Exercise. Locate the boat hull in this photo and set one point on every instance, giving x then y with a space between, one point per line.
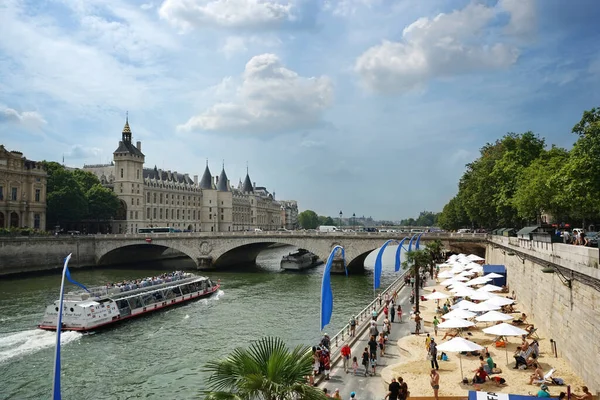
138 312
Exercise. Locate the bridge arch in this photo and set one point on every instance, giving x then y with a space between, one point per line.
139 250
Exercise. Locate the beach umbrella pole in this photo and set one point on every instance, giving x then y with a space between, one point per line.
461 370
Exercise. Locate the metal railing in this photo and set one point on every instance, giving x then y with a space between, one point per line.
364 315
291 234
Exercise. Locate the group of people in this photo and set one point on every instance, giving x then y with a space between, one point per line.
124 286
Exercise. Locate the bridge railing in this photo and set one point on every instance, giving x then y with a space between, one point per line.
291 234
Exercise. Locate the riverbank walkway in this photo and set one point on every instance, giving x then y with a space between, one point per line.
372 387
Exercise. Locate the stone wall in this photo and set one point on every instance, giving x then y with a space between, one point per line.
571 317
28 254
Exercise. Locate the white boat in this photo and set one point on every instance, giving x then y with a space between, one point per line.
299 260
106 305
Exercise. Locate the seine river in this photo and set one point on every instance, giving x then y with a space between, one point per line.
160 356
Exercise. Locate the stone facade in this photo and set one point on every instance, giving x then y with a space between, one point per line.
289 215
569 316
22 191
152 197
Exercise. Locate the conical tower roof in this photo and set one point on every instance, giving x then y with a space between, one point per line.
247 185
222 184
206 181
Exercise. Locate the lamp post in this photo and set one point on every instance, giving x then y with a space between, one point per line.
341 220
353 221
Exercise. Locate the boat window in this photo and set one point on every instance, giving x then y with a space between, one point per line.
185 289
122 304
168 294
135 302
204 285
148 299
176 291
195 286
158 296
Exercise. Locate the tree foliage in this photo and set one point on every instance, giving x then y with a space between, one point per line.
73 196
425 218
516 179
308 219
417 261
266 370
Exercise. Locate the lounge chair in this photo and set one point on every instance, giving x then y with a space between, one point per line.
533 334
546 379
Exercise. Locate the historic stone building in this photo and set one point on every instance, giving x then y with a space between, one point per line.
22 191
151 197
289 214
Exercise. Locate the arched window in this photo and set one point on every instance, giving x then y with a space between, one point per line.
121 172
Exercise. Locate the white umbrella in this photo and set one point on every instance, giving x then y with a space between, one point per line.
458 344
477 295
459 313
474 257
463 305
460 278
500 301
505 329
436 296
463 292
477 281
485 306
491 288
466 273
453 323
493 275
448 282
493 316
445 274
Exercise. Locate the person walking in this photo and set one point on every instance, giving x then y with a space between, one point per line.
404 393
399 311
392 312
436 322
433 354
353 326
417 324
434 379
393 390
365 360
346 353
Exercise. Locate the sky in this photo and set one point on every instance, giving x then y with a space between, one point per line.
371 107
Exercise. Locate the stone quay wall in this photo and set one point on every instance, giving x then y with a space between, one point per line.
569 316
29 254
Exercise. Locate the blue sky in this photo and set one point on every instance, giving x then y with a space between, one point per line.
371 107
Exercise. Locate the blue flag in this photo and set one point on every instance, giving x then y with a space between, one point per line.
398 254
73 281
56 383
411 242
418 241
326 292
378 266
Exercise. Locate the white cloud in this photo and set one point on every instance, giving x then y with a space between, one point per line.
28 119
522 16
270 99
242 14
345 8
79 152
447 45
239 44
147 6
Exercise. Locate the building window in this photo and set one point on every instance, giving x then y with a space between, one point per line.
209 209
1 193
138 201
154 198
136 215
132 203
177 214
221 217
37 194
13 194
147 213
209 216
138 174
36 221
148 197
194 213
154 213
161 198
172 213
130 214
121 172
161 213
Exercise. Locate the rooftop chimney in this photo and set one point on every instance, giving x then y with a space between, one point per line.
139 145
216 179
196 180
254 185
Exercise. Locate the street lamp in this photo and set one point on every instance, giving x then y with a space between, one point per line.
353 221
341 220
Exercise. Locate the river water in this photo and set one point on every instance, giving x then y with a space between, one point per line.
161 355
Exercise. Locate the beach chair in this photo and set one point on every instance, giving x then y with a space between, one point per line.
533 334
546 379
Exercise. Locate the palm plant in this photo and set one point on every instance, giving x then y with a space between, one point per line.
267 370
435 248
417 261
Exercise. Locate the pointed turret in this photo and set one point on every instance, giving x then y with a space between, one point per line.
222 184
206 181
126 134
126 147
247 185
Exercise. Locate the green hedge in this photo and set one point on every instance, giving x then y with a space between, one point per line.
22 232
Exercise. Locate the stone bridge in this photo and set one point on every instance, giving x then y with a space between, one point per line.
221 249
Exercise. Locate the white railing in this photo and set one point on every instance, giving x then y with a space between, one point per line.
291 234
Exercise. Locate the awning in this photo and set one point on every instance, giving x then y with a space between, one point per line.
527 230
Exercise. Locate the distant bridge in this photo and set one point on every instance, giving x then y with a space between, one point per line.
221 249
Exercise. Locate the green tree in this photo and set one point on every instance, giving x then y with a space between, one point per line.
417 261
454 216
67 201
103 203
85 179
323 220
308 219
539 186
267 370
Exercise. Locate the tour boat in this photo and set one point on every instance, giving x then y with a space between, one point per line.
299 260
106 305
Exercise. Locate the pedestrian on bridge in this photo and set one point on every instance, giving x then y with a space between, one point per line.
353 326
392 312
399 313
346 353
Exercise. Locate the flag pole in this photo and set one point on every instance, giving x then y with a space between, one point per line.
56 382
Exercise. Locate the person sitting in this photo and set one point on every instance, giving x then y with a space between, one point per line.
504 289
586 394
520 358
543 391
531 360
538 374
498 380
521 320
480 376
450 332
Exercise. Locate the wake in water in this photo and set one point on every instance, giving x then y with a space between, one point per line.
31 341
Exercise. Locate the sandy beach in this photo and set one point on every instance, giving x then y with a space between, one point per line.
414 367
